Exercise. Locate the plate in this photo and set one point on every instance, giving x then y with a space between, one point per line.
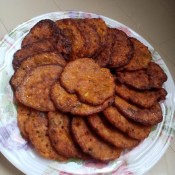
20 153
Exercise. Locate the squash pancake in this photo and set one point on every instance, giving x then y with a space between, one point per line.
60 136
23 113
37 129
122 50
92 84
35 61
91 144
149 116
101 28
43 29
144 99
104 56
70 29
140 58
133 129
34 91
102 128
152 77
31 50
67 102
91 38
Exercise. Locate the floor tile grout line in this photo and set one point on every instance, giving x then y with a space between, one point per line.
3 25
172 148
56 5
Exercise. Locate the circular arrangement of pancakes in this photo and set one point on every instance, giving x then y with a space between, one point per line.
85 90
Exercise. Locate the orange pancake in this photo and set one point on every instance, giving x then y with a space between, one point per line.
149 116
110 134
40 46
91 83
35 61
37 128
133 129
43 29
91 144
34 91
67 102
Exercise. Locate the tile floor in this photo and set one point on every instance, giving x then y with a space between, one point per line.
152 19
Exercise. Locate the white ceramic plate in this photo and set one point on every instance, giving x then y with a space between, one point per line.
20 153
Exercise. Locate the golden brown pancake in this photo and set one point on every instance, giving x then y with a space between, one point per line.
43 29
35 61
60 135
91 144
64 45
23 113
101 28
144 99
156 74
31 50
37 129
122 50
70 29
133 129
151 116
152 77
67 102
92 84
112 135
34 91
104 56
140 58
91 38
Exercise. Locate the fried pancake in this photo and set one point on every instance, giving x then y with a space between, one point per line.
34 91
43 29
144 99
104 56
133 129
71 30
60 136
92 84
156 74
101 28
23 113
122 50
67 102
103 129
91 144
136 79
149 116
91 38
31 50
35 61
37 128
84 109
64 45
152 77
140 58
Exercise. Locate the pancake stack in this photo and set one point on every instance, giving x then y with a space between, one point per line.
85 90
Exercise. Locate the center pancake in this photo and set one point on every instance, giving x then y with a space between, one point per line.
91 83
